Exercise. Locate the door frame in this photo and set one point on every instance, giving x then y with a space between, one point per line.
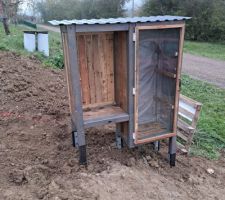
181 26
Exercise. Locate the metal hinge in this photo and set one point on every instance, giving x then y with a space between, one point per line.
134 37
134 91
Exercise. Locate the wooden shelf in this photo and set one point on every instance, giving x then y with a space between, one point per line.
166 73
104 115
149 130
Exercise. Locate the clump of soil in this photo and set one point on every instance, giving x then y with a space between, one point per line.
38 161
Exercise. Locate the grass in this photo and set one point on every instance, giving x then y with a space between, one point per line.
210 50
210 137
14 43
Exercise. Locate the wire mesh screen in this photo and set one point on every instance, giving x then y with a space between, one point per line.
158 59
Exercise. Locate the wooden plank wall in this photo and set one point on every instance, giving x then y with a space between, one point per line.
95 55
121 70
121 76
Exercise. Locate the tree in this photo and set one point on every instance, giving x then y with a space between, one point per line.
9 9
77 9
208 20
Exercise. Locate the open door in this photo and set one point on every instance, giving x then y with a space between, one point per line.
158 65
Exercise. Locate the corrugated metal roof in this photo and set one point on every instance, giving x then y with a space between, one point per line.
120 20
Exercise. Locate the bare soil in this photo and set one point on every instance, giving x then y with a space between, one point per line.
37 160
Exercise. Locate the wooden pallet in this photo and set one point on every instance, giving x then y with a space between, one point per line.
189 111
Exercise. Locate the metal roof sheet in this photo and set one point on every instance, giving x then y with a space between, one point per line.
120 20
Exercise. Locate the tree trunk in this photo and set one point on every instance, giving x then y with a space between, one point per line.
6 26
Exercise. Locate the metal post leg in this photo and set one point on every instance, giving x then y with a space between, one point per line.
82 147
118 136
172 151
83 155
156 145
74 135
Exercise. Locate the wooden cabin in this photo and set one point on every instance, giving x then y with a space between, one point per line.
124 71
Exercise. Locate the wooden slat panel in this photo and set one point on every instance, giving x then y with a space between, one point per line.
184 126
121 70
95 51
186 114
108 44
182 136
83 70
89 49
96 67
187 107
189 101
102 67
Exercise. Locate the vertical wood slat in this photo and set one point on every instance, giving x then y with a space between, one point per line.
96 67
83 69
102 68
110 63
121 69
89 49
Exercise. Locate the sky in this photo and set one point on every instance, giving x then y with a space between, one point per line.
137 3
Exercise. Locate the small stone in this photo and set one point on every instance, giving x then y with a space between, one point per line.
44 162
53 186
145 161
148 158
210 171
154 164
122 176
17 176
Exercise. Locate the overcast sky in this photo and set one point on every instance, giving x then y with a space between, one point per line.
128 6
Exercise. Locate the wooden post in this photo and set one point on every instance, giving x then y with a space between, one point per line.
130 82
76 91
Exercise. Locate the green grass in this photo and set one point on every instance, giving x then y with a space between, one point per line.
210 50
210 137
14 43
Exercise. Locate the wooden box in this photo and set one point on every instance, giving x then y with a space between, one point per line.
124 71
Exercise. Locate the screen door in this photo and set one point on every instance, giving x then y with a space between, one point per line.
157 53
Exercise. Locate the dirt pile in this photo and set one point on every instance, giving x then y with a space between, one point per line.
37 159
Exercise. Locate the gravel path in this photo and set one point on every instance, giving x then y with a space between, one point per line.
198 67
206 69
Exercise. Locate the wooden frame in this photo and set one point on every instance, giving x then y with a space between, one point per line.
122 112
181 26
189 110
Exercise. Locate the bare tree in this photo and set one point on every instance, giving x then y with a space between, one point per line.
4 17
9 12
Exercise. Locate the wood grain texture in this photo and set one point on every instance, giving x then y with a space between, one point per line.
121 70
67 71
95 54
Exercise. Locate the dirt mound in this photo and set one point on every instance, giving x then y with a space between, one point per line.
38 161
